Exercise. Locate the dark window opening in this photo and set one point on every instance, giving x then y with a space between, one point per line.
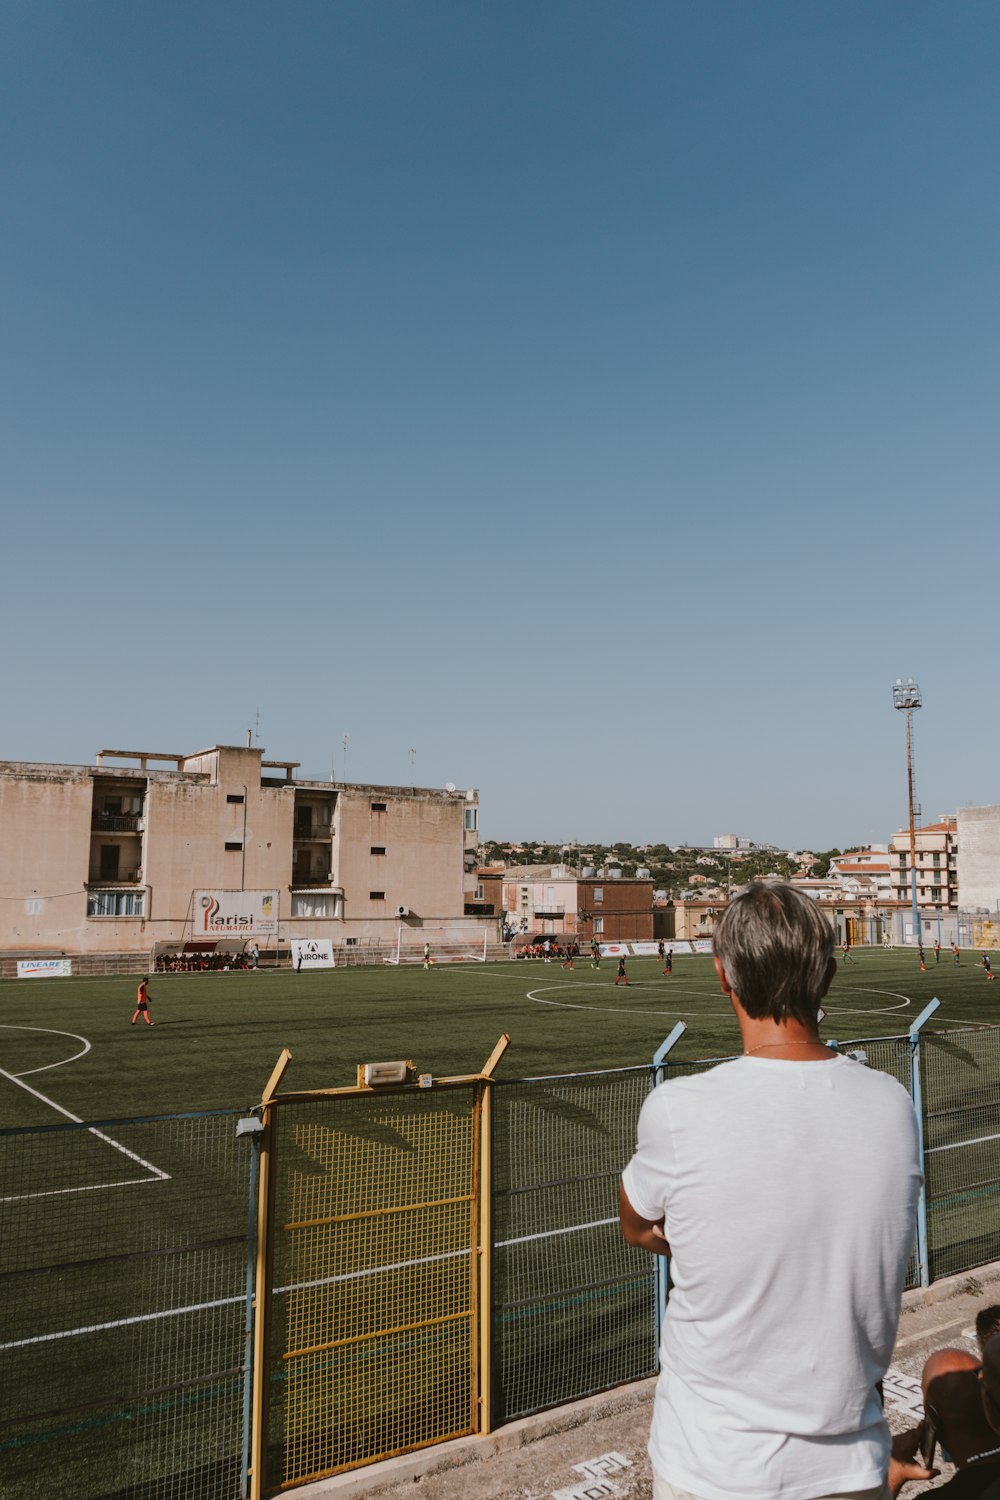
378 848
378 807
233 845
234 797
376 895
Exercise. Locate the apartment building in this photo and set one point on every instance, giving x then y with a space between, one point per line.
557 901
144 848
936 866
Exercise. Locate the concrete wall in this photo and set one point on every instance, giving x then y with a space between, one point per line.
52 846
979 857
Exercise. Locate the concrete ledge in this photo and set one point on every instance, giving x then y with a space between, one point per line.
488 1458
475 1450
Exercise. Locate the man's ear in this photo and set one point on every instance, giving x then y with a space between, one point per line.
727 988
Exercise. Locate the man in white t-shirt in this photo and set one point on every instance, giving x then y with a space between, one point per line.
783 1185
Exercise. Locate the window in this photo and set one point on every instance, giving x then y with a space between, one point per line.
234 797
479 894
378 807
115 903
378 848
351 942
315 904
376 895
598 895
598 926
233 845
471 819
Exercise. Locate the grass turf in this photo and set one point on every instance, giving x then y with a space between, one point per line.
103 1409
217 1036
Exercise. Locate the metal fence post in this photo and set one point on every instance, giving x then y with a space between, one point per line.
262 1291
252 1126
916 1094
661 1268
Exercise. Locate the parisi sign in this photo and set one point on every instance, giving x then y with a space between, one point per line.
235 913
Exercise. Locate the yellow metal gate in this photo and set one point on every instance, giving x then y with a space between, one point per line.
373 1256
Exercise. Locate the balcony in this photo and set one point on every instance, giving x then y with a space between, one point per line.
550 911
102 822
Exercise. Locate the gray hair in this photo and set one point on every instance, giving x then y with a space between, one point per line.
776 948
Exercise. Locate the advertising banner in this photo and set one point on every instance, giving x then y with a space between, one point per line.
702 945
44 968
614 950
222 914
645 950
312 953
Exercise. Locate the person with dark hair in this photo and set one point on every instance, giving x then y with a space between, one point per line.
789 1236
962 1412
142 998
621 977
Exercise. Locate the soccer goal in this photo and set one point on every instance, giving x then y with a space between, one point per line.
438 945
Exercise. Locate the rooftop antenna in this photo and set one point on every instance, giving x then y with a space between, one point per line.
256 732
413 761
345 742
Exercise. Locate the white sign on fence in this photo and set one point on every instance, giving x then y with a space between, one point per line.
44 968
312 953
702 945
614 950
645 950
220 914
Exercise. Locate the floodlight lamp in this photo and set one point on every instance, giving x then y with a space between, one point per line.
906 695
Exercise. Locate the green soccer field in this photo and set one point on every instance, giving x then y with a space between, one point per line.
68 1042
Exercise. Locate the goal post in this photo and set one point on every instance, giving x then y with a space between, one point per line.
442 944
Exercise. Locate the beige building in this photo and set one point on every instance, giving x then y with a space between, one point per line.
134 851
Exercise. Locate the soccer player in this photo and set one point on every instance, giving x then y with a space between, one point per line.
923 961
595 954
845 949
621 975
668 962
956 960
937 950
567 962
988 966
142 1002
427 955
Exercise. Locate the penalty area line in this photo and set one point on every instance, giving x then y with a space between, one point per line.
156 1172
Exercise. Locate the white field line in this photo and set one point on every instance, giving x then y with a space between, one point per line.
157 1174
957 1145
302 1286
51 1031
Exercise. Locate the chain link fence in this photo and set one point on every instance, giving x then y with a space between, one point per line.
961 1081
123 1268
574 1308
127 1260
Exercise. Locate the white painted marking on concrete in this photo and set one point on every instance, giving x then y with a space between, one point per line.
928 1333
597 1489
903 1393
600 1468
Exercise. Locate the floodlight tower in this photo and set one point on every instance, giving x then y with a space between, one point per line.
906 697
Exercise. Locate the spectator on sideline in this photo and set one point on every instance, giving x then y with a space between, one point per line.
962 1403
789 1235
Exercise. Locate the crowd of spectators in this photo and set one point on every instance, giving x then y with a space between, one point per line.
186 962
555 950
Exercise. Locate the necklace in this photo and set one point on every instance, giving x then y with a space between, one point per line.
766 1046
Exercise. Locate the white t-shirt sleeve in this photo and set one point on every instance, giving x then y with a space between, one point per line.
647 1177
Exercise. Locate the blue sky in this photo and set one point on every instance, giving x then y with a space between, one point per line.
599 399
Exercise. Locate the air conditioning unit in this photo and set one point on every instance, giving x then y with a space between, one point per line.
402 911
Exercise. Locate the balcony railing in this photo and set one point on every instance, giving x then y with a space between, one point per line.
102 822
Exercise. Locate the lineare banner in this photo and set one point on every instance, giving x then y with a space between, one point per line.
44 968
